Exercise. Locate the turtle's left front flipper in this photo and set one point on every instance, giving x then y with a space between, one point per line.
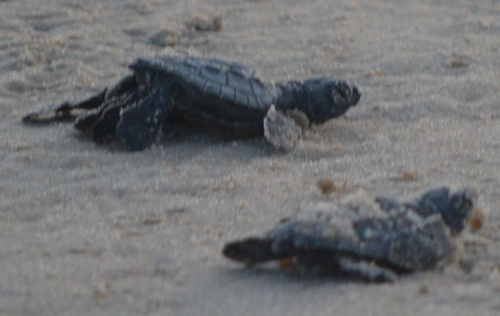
281 130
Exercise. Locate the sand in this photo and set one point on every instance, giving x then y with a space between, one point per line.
95 230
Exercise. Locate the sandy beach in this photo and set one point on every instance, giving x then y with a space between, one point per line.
90 229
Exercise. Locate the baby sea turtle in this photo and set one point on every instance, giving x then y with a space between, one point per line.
207 92
373 239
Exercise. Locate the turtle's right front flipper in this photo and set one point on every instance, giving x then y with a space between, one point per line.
65 111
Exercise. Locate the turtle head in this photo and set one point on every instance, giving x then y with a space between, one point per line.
455 206
328 98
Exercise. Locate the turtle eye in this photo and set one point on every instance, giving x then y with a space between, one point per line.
343 90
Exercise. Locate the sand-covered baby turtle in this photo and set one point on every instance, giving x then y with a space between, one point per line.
205 92
374 239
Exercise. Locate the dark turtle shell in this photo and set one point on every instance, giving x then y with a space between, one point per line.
211 92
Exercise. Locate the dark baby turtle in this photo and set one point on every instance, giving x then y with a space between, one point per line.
205 92
375 240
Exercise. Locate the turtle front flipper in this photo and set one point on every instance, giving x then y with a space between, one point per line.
139 125
367 270
280 130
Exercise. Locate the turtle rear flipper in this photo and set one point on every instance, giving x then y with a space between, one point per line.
250 251
89 109
66 111
139 126
101 123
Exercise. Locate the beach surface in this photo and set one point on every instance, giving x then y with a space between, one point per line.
90 229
